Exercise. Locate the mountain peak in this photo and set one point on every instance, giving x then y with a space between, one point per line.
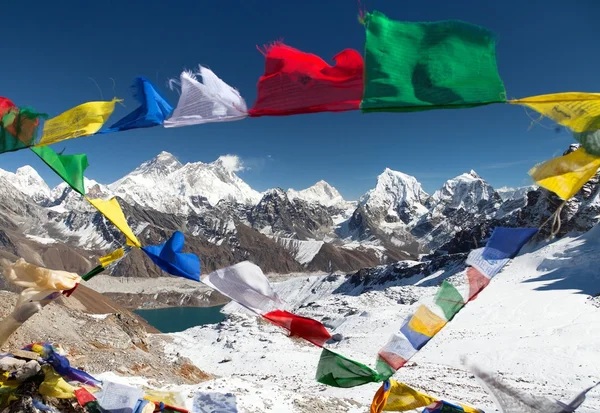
161 165
396 194
321 193
465 191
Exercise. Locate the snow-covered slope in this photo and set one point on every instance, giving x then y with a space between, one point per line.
467 192
536 324
321 193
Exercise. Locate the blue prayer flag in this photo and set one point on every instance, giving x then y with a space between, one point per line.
169 258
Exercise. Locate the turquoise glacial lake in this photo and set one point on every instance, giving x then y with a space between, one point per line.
176 319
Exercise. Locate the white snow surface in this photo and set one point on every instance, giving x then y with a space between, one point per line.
304 251
536 324
394 189
320 193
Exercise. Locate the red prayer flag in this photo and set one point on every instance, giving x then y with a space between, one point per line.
392 359
83 396
306 328
5 106
296 82
477 282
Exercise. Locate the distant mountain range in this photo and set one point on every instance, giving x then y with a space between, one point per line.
226 221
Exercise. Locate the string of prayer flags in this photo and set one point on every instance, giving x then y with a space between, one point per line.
213 100
296 82
38 282
69 167
113 212
393 396
169 258
153 109
245 284
420 66
83 120
338 371
578 111
567 174
424 323
298 326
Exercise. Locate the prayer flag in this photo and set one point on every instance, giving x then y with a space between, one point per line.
112 257
567 174
37 281
153 111
398 350
169 258
213 100
449 300
477 282
303 327
420 66
487 266
113 212
338 371
578 111
69 167
507 242
245 284
83 120
398 397
296 82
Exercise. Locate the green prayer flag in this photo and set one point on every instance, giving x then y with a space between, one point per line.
69 167
385 370
590 140
420 66
449 300
337 371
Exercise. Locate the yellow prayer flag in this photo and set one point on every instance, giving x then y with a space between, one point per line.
402 398
113 256
83 120
566 174
54 385
576 110
426 322
113 212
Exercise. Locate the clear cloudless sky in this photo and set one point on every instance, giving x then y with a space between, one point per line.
52 50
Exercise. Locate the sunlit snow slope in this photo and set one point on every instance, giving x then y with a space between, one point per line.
536 324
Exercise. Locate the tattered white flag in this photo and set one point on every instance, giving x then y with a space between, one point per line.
210 101
38 282
245 284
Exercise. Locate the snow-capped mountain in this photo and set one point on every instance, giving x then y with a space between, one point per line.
397 197
29 182
227 221
165 185
461 203
320 193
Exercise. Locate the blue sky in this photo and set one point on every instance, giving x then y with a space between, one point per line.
52 50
